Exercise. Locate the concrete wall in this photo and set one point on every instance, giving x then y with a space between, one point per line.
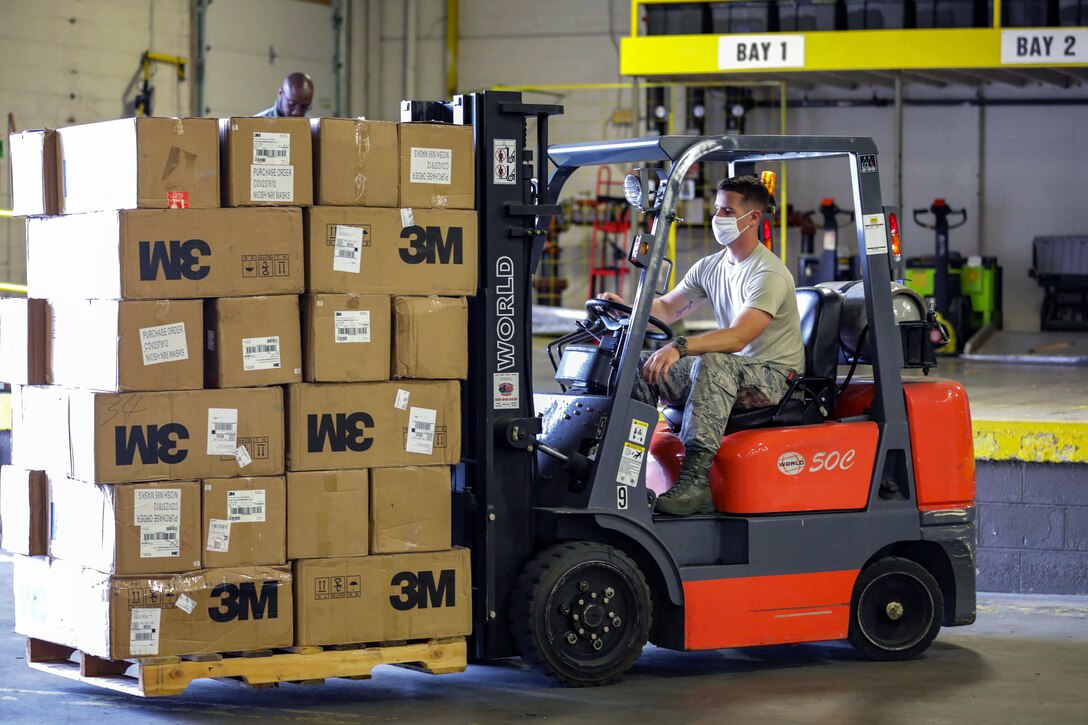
1032 527
73 61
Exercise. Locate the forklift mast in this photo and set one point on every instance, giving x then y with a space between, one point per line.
493 491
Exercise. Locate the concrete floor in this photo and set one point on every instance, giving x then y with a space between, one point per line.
1024 661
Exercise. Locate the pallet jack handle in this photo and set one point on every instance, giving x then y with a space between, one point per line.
938 209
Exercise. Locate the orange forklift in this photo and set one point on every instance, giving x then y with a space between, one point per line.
844 512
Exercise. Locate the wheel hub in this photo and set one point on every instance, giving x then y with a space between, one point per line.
593 615
894 610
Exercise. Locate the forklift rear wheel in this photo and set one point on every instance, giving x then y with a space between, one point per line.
896 610
581 611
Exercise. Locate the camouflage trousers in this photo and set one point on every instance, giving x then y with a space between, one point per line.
709 386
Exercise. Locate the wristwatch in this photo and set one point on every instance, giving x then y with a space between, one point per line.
681 344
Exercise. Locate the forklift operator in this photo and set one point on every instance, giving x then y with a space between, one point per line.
748 361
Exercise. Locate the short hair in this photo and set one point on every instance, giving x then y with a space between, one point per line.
750 189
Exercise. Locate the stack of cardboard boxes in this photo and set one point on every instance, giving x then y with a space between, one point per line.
203 460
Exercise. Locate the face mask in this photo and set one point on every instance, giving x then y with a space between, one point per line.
725 228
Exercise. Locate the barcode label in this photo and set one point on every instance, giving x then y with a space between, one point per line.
271 149
246 506
158 541
349 249
352 325
260 353
421 430
143 632
218 535
222 431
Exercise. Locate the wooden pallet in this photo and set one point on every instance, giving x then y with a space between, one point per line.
163 676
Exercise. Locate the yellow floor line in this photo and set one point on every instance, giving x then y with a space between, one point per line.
1033 441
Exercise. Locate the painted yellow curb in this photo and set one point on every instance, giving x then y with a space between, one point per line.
1031 441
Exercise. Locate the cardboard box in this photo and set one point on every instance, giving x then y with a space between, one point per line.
39 428
34 186
135 528
346 337
211 610
245 521
380 251
23 332
24 523
327 513
382 598
410 509
267 161
355 162
146 163
437 166
373 425
431 338
120 437
116 345
252 341
166 254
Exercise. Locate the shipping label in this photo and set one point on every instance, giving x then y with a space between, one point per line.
246 506
271 149
349 249
421 422
241 454
143 635
431 166
163 343
260 353
401 401
271 183
160 540
219 535
157 506
352 325
222 431
186 603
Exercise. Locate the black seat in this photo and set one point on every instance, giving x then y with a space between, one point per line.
811 397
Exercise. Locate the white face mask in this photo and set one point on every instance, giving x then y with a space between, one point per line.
725 228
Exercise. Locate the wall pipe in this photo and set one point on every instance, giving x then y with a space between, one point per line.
410 32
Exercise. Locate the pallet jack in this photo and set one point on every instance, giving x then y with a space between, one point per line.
840 513
965 292
825 266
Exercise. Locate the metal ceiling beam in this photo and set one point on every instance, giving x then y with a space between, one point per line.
1042 75
924 78
963 78
830 79
878 79
1078 74
995 76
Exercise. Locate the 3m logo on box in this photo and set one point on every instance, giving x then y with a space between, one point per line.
340 431
418 590
241 601
174 259
426 245
154 443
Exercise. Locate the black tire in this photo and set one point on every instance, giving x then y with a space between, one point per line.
555 619
896 610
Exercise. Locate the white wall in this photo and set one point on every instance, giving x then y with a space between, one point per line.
73 61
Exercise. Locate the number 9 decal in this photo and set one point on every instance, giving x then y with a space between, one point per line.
621 497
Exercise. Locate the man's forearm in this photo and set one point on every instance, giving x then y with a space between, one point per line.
727 340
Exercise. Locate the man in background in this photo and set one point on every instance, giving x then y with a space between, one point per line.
293 98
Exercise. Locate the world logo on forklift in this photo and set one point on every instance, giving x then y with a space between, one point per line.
791 463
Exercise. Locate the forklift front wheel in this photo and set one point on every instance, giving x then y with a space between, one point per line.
896 610
581 611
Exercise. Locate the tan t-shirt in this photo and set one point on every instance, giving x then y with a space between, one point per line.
760 281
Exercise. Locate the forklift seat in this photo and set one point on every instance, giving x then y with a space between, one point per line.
811 397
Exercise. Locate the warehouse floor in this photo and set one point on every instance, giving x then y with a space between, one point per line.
1023 661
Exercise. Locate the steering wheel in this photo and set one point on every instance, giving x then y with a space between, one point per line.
598 307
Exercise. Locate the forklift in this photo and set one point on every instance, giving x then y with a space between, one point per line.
825 266
840 514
